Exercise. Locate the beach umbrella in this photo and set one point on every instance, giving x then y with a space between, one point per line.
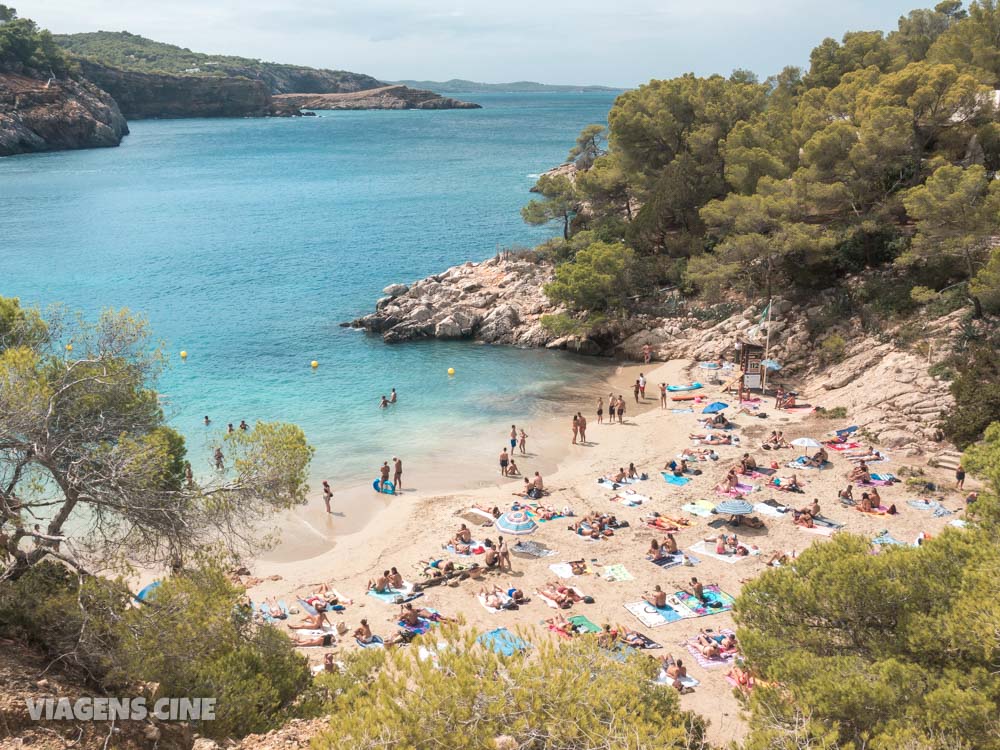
770 364
515 522
806 443
734 507
147 593
715 408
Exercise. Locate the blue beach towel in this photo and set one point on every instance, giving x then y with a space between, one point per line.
396 597
671 479
503 642
375 642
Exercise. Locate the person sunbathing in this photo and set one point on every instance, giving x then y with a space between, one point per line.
729 483
317 621
607 637
633 473
512 470
860 473
656 598
395 578
846 495
438 568
631 637
579 567
554 594
560 624
669 545
748 464
818 459
545 513
875 497
654 552
325 640
462 536
707 646
274 610
494 599
741 676
364 633
752 521
673 671
380 585
721 544
717 439
620 476
778 559
866 503
662 522
494 511
697 589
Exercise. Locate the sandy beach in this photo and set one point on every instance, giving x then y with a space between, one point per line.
405 530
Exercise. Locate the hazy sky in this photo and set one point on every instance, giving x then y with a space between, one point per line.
553 41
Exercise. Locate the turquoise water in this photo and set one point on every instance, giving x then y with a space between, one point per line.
246 243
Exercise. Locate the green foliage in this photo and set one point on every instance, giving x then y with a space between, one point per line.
559 202
896 649
570 694
976 389
597 279
590 145
837 412
983 460
986 283
562 324
972 42
24 46
832 348
196 638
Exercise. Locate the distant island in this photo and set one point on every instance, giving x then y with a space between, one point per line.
461 86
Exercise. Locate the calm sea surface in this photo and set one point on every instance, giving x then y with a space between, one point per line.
246 242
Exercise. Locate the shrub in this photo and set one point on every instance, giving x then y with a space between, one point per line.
598 278
976 389
832 348
837 412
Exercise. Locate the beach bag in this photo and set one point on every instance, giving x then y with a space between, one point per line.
588 599
342 627
644 476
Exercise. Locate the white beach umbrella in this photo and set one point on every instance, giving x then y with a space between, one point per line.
806 443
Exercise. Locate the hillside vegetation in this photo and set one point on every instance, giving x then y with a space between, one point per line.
24 48
136 53
880 156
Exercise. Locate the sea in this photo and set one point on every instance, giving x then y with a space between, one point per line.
246 242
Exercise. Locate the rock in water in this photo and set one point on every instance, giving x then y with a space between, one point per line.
386 97
40 115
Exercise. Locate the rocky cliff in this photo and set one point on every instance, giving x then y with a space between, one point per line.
884 385
386 97
150 95
38 115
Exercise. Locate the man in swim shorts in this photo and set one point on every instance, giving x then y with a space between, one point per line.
504 461
397 473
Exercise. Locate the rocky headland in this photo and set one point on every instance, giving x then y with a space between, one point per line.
385 97
501 301
48 115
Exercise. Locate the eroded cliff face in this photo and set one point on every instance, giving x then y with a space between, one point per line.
38 115
146 95
386 97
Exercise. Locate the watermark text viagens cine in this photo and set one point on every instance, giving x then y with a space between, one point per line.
120 709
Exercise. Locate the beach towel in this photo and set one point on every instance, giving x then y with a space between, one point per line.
924 504
648 644
581 624
716 601
958 523
827 522
492 610
563 569
503 642
422 626
650 616
671 561
767 510
702 548
482 514
802 463
265 612
532 549
397 596
630 499
608 483
682 411
616 573
676 481
885 477
375 642
835 446
726 657
763 471
687 681
701 508
885 538
846 431
532 510
819 530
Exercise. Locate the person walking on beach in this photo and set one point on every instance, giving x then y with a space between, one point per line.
513 437
600 410
576 428
219 459
635 390
522 442
327 495
663 395
621 409
642 386
504 461
397 473
581 422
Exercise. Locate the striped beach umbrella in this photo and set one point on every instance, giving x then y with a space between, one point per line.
515 522
734 507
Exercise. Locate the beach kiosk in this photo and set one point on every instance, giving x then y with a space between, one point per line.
749 356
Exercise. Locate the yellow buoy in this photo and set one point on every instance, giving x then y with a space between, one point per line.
69 347
451 370
184 355
314 364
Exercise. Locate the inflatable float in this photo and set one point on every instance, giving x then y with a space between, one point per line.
710 366
683 397
689 387
386 488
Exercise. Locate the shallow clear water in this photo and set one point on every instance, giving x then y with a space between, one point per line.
246 243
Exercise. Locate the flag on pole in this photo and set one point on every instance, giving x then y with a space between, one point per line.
764 313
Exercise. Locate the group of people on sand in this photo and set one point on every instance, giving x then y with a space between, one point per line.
391 580
396 470
595 525
495 556
616 408
579 429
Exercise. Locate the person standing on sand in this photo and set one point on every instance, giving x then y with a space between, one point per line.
581 422
397 473
600 410
635 390
503 554
522 442
642 386
504 461
513 437
576 428
327 495
383 474
960 477
621 409
663 395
